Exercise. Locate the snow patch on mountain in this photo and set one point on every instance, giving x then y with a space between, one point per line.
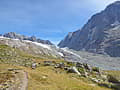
61 54
42 45
66 50
39 44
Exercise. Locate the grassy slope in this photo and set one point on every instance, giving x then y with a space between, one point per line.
115 74
46 78
13 56
43 78
56 81
10 55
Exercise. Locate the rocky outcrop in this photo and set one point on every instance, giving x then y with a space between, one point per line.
101 34
13 35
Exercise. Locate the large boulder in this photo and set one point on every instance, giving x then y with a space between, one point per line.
73 70
79 65
88 67
34 65
60 65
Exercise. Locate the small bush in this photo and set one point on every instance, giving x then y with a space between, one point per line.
112 79
96 69
105 84
116 87
81 70
70 63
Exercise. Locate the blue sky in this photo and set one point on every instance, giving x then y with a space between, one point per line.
47 19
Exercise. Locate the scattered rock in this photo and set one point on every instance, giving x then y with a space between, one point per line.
11 69
86 74
34 65
44 77
88 67
80 65
95 80
60 65
73 70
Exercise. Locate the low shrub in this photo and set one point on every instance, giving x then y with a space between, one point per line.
112 79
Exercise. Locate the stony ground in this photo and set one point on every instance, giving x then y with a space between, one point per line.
97 60
12 78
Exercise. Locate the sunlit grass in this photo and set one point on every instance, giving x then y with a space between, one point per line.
49 78
46 78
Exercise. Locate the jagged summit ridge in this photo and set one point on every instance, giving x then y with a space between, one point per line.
14 35
101 34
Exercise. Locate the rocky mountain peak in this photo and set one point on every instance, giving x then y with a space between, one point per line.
113 11
14 35
117 3
33 38
98 34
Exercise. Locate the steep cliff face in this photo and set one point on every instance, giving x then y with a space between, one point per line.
101 34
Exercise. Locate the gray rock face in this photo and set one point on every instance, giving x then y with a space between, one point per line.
101 34
13 35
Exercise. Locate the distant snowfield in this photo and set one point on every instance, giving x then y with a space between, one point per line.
39 44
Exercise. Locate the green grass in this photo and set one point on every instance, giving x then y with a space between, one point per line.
115 74
49 78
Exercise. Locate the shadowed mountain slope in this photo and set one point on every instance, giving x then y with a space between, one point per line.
101 34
